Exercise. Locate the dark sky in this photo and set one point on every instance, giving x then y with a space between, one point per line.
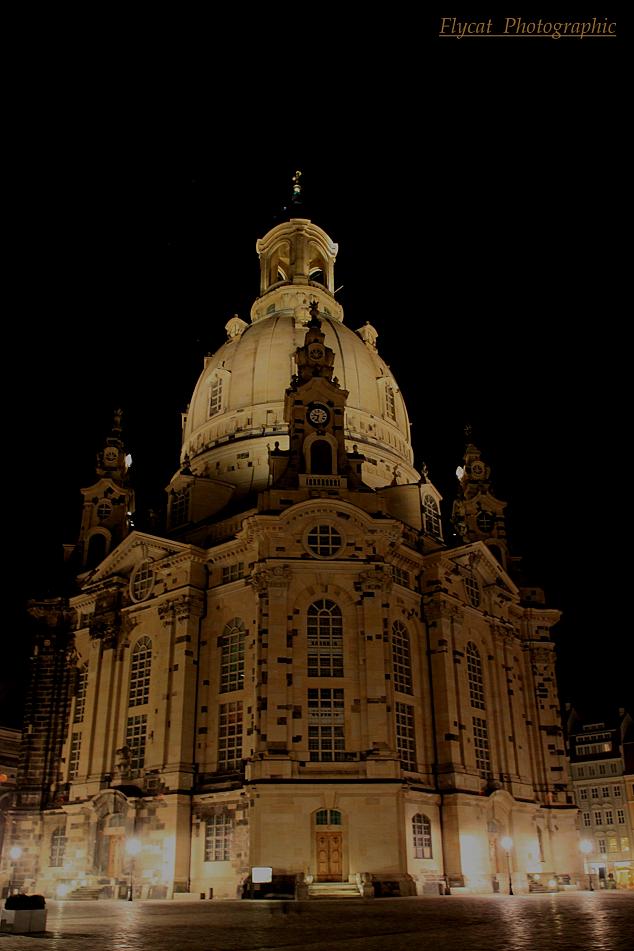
475 192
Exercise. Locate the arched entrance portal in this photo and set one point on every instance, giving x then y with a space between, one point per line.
328 845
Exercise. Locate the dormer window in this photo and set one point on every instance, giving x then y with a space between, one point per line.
390 403
431 515
215 396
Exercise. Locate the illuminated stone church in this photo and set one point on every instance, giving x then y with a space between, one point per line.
299 674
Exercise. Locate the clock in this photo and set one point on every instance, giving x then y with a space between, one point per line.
318 415
316 352
477 469
111 456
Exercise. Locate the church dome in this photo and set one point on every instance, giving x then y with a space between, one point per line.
236 414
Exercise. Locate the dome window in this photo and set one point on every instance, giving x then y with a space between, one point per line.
215 396
324 541
390 403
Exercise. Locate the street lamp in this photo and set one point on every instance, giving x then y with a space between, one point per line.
132 847
14 853
507 844
586 847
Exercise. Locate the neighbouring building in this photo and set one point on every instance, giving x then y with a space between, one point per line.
299 673
603 793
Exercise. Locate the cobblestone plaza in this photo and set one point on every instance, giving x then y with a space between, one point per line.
596 921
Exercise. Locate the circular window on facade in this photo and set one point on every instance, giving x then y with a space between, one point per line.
324 541
142 581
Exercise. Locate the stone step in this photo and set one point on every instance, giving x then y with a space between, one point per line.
85 893
333 890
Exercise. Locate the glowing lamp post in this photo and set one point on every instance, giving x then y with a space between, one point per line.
132 847
586 847
507 844
14 854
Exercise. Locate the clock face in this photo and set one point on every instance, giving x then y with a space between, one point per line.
318 415
315 352
477 469
110 455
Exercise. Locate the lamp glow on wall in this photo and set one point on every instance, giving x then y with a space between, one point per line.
586 848
132 847
14 854
507 844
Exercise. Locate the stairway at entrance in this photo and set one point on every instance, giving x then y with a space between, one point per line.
334 890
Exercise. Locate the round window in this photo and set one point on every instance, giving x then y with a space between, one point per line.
324 541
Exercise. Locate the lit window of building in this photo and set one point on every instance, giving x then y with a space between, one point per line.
218 838
476 680
58 847
179 509
324 629
215 396
324 540
75 749
80 695
401 576
140 671
390 404
328 817
232 572
230 736
601 846
431 515
421 832
472 589
232 656
326 735
136 735
401 660
406 735
481 745
142 581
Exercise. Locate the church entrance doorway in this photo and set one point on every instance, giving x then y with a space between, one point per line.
328 845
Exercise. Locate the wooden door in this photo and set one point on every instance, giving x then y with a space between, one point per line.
329 857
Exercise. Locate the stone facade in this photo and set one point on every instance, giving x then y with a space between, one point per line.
300 674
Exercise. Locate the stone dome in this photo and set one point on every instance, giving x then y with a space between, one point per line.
237 410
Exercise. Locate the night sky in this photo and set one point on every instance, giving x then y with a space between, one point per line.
475 192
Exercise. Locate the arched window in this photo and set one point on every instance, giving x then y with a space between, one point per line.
324 628
232 656
80 694
321 458
58 847
421 832
401 659
327 817
97 545
140 673
476 680
431 514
